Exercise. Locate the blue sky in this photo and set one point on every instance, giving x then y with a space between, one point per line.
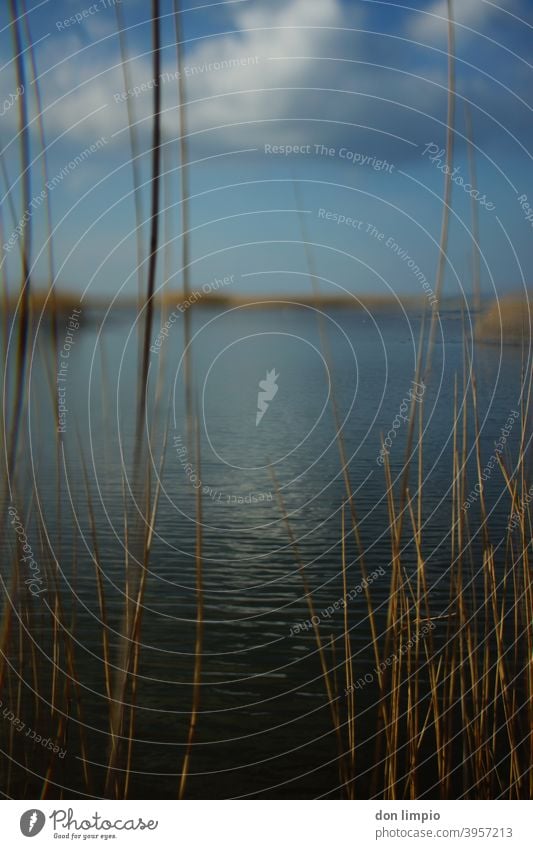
364 79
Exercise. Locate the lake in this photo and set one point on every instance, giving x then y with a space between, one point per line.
264 727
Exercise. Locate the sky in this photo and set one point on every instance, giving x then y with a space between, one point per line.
307 121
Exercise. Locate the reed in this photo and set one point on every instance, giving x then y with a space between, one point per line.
25 249
446 203
449 710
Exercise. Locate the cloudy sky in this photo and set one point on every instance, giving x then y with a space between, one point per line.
359 87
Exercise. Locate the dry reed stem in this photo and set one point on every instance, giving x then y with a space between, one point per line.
198 646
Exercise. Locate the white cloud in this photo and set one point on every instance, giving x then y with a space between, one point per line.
89 81
266 35
431 24
292 42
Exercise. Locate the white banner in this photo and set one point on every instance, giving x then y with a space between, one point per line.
268 824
